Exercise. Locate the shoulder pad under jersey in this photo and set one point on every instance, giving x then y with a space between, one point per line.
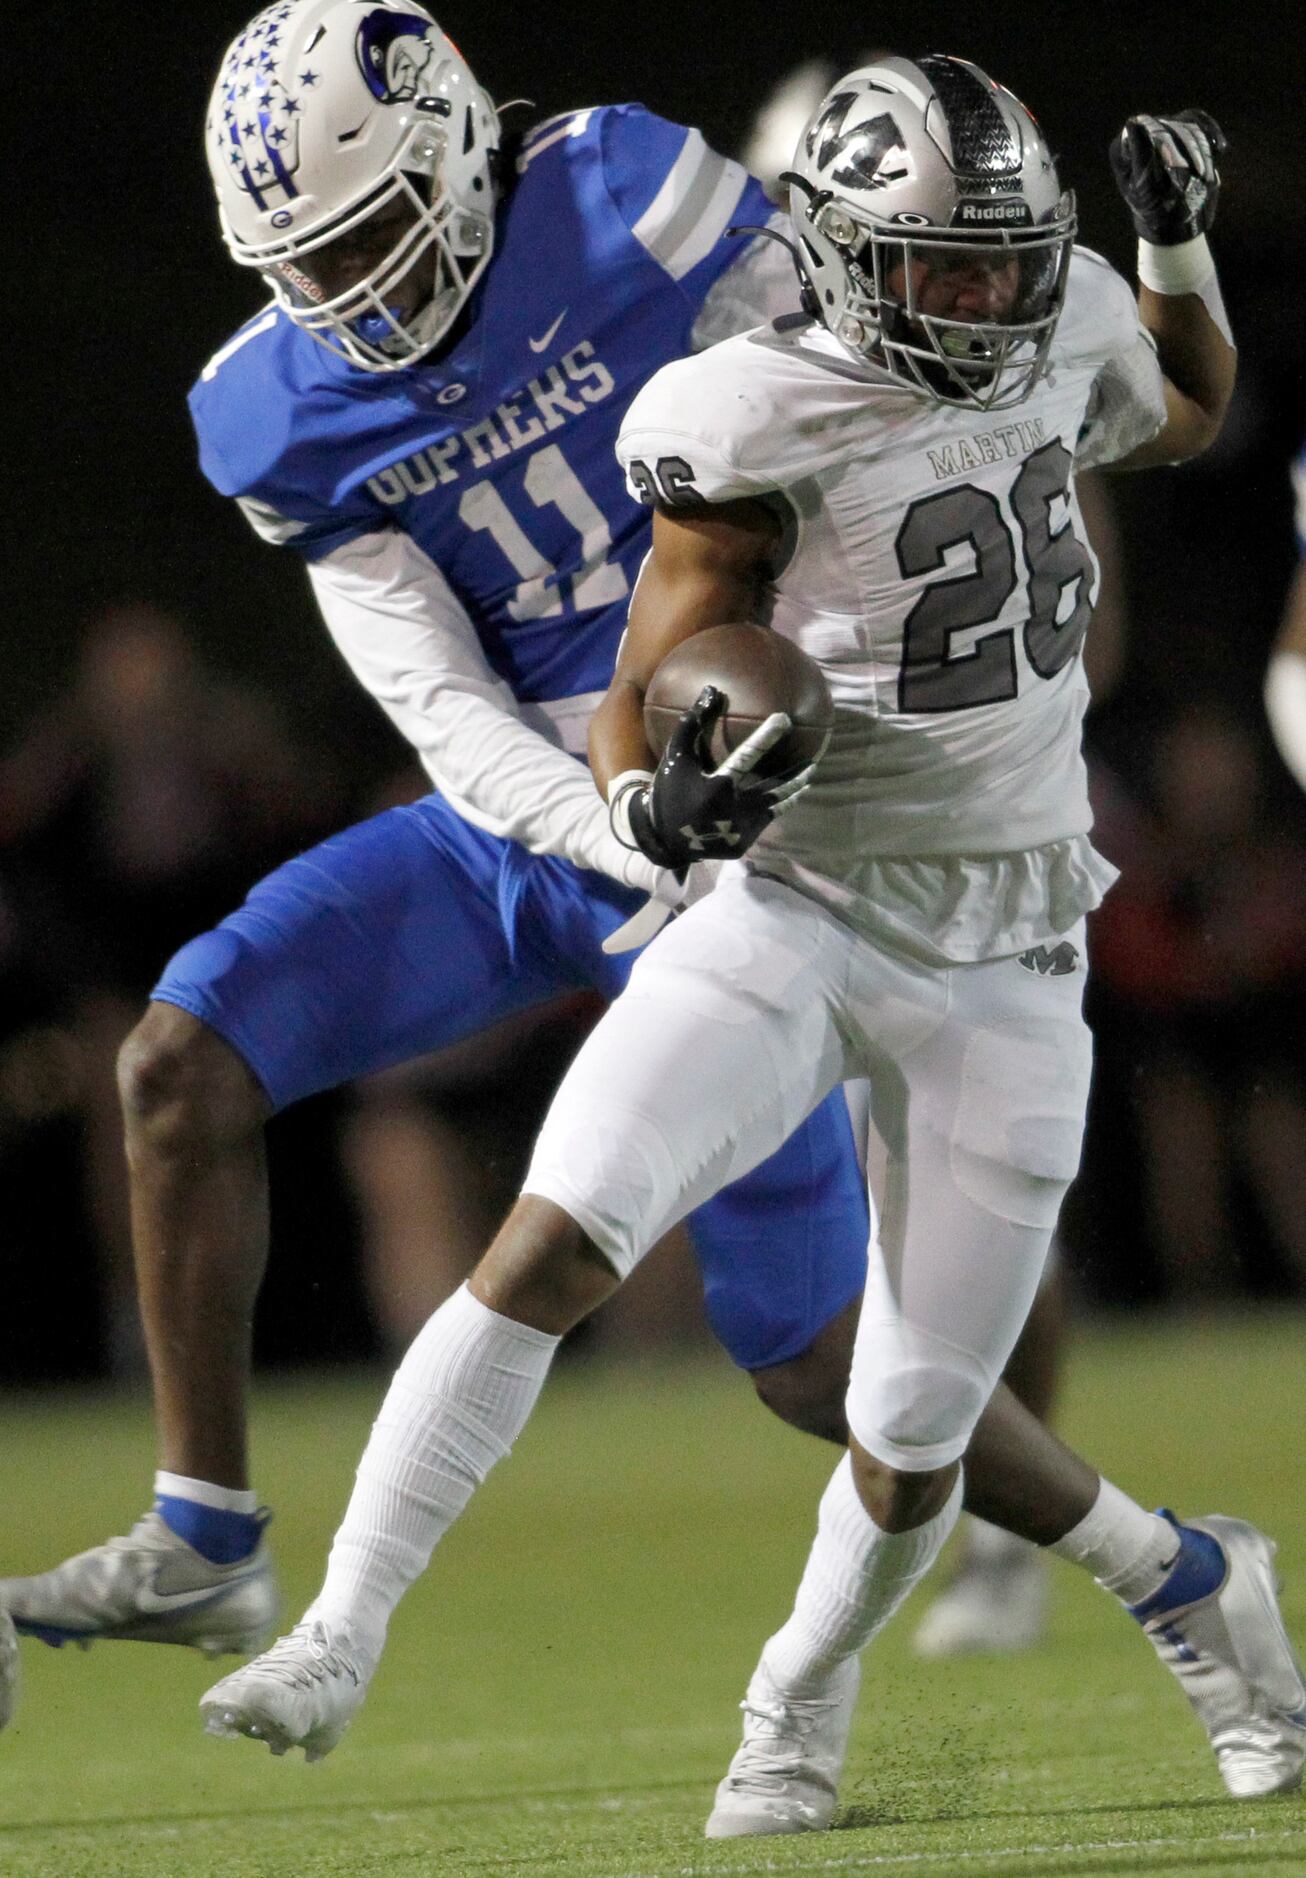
1100 318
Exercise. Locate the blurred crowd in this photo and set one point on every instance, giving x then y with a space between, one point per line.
135 811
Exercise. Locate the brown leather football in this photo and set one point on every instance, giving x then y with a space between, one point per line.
760 671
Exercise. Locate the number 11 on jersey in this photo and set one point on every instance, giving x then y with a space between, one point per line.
550 481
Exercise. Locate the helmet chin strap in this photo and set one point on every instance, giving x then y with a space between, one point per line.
806 292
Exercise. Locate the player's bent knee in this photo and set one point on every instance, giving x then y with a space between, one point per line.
542 1269
809 1390
916 1416
181 1083
808 1396
895 1498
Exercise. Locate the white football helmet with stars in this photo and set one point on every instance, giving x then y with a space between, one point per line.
325 111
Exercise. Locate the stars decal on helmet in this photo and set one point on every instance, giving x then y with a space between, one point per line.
260 138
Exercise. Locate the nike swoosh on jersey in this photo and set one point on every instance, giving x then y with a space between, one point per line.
538 345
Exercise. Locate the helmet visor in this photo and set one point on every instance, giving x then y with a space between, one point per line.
969 318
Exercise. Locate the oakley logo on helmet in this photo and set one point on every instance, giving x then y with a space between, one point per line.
864 152
985 214
397 56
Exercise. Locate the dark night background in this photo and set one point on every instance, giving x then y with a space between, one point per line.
118 291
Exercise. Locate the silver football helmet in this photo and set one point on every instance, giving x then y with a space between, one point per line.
932 233
326 114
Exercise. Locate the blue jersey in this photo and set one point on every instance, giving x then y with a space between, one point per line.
497 457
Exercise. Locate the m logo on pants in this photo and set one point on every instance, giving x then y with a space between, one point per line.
1052 962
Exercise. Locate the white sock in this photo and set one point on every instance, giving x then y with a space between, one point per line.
205 1493
856 1578
1129 1551
458 1401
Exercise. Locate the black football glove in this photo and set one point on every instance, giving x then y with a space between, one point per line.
1165 169
691 812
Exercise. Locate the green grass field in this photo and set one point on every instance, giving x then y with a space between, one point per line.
559 1695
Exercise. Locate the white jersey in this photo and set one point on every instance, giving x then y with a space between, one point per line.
935 565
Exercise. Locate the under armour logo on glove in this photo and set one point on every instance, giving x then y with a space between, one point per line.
689 812
1165 168
720 832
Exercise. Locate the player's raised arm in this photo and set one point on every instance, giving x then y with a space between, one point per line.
1165 168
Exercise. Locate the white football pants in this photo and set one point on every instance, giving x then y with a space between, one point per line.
738 1019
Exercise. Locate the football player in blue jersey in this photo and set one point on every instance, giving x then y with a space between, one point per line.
427 412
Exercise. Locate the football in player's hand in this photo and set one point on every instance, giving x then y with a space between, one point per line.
759 671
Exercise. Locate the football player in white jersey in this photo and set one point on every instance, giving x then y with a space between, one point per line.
887 481
1285 677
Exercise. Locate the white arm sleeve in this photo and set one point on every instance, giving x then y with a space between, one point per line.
409 642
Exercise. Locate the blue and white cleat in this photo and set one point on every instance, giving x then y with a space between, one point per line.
148 1586
1215 1624
8 1669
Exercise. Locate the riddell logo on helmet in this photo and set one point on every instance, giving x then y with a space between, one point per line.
301 282
1007 212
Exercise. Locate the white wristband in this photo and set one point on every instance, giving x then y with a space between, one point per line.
1184 268
620 790
1188 267
1285 706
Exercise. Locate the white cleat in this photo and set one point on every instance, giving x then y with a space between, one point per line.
302 1693
148 1586
1232 1658
995 1603
785 1774
8 1669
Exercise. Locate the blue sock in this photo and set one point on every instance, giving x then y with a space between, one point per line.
1198 1570
223 1538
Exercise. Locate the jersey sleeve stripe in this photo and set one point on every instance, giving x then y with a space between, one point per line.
731 181
269 523
243 338
670 226
552 131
